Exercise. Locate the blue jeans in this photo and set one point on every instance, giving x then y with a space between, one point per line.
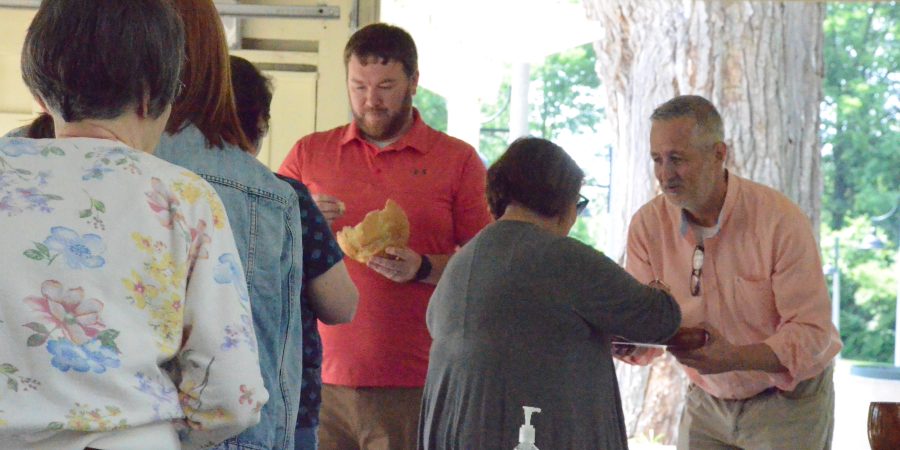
306 438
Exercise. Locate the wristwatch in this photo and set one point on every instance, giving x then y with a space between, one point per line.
424 269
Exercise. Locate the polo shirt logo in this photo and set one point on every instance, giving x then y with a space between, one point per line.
417 172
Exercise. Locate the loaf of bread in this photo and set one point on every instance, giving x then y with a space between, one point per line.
388 227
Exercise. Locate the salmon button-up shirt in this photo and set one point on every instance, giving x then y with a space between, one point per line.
761 281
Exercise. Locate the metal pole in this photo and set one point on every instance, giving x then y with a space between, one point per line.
836 286
897 306
518 100
882 218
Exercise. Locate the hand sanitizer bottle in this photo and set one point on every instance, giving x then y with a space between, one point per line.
526 431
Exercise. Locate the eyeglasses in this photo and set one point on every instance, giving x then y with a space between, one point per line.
696 269
581 205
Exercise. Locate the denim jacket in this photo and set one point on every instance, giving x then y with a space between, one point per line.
265 217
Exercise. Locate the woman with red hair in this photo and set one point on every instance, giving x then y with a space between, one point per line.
204 135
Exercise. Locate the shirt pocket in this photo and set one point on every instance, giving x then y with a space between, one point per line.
755 306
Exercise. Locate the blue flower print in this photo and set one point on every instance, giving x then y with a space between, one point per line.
231 340
99 356
67 355
105 160
10 206
35 199
42 177
92 356
79 251
95 172
164 394
15 147
116 153
228 271
237 333
6 178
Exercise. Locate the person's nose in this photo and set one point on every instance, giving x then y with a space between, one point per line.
373 98
665 170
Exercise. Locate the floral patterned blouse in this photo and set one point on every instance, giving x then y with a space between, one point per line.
124 315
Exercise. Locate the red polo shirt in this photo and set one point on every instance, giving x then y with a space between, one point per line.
440 182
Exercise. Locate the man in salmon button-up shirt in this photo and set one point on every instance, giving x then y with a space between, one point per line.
742 262
374 368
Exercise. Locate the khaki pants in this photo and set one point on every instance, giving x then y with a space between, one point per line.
799 419
369 418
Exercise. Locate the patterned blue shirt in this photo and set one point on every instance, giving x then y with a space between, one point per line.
320 253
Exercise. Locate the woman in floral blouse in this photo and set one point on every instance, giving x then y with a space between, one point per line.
125 319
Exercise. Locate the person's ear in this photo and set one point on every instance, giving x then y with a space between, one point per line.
143 110
720 150
566 220
414 82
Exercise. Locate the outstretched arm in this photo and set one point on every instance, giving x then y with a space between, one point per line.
333 295
719 355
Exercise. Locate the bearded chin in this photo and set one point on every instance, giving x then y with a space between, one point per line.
390 130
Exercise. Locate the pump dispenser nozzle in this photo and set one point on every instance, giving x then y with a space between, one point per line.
526 431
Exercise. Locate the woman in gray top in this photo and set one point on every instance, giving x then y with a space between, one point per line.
524 316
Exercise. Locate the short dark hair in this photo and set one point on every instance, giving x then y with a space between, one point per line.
535 173
708 122
95 58
252 97
41 127
386 43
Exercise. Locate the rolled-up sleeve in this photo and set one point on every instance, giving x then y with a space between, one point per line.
805 340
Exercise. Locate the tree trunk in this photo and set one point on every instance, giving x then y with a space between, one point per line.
761 64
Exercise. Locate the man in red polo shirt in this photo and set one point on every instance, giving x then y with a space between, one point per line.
374 368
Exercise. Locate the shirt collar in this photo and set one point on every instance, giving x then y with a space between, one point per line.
731 190
415 138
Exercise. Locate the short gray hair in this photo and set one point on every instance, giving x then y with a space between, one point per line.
707 118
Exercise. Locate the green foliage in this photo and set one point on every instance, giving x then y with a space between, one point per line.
564 98
581 231
432 107
568 86
868 297
495 132
861 133
860 111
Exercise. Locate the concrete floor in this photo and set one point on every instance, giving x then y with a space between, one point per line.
852 397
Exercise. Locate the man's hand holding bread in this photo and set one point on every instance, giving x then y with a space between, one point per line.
379 242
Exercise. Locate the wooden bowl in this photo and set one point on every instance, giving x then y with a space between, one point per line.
884 425
686 339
